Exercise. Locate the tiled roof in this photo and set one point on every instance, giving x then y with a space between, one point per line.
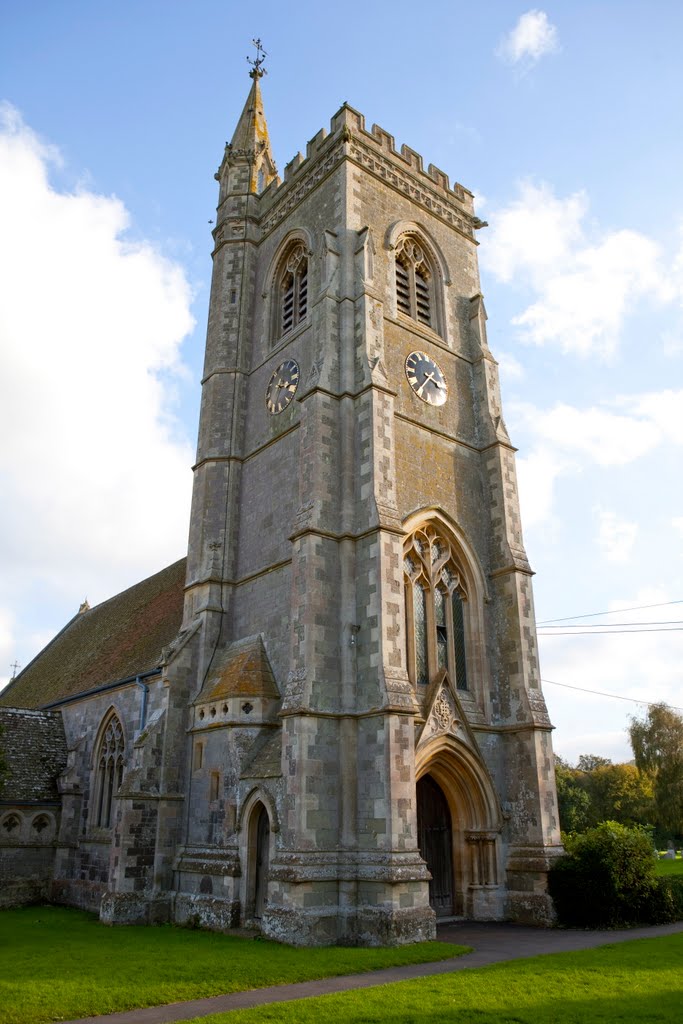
240 670
120 638
35 749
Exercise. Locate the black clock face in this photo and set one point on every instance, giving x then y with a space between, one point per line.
282 386
426 378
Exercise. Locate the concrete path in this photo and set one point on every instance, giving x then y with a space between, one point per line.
492 943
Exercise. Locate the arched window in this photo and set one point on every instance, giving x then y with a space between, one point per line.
415 282
436 608
292 291
110 761
11 823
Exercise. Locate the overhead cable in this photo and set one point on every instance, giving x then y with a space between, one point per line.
612 611
615 696
612 632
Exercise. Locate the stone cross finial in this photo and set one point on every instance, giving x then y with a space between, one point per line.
257 69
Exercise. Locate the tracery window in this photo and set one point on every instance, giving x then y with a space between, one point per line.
436 608
110 761
293 290
414 282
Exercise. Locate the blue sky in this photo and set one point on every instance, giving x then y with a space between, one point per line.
564 120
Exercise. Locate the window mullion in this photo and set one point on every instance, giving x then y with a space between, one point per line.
108 786
99 801
432 656
459 641
295 298
410 632
450 632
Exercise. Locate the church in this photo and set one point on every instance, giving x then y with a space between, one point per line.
327 720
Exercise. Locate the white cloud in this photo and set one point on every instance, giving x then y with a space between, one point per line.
663 409
6 646
537 474
533 37
565 439
582 307
586 284
509 366
534 231
616 536
606 437
96 481
677 523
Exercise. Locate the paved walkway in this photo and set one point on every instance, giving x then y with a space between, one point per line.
492 943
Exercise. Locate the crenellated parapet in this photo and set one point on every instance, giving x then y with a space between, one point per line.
375 151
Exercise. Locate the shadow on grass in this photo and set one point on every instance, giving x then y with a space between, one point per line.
59 963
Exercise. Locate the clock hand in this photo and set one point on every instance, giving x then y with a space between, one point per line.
428 376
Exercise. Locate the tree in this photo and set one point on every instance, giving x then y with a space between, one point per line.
589 762
597 790
619 792
573 802
657 742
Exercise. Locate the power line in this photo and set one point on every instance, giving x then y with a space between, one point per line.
612 611
612 632
609 625
614 696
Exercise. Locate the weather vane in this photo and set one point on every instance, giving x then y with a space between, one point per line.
257 70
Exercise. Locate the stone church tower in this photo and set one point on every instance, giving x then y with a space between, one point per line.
355 538
346 738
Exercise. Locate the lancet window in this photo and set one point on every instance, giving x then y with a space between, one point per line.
293 290
436 608
415 283
110 761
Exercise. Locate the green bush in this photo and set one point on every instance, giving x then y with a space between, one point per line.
670 898
607 880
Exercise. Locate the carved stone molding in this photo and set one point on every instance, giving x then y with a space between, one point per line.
305 185
427 198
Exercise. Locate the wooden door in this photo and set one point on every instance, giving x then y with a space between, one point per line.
262 859
435 840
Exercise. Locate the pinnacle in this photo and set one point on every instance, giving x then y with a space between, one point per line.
251 138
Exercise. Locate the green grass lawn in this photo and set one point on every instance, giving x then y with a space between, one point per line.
622 983
670 867
58 964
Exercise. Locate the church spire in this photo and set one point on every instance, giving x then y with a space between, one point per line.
250 141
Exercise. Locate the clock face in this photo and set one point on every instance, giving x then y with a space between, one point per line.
282 386
426 378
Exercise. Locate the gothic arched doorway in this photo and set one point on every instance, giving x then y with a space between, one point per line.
261 860
435 840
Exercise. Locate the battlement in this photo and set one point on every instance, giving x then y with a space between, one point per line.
349 125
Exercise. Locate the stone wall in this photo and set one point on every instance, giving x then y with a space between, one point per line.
30 805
